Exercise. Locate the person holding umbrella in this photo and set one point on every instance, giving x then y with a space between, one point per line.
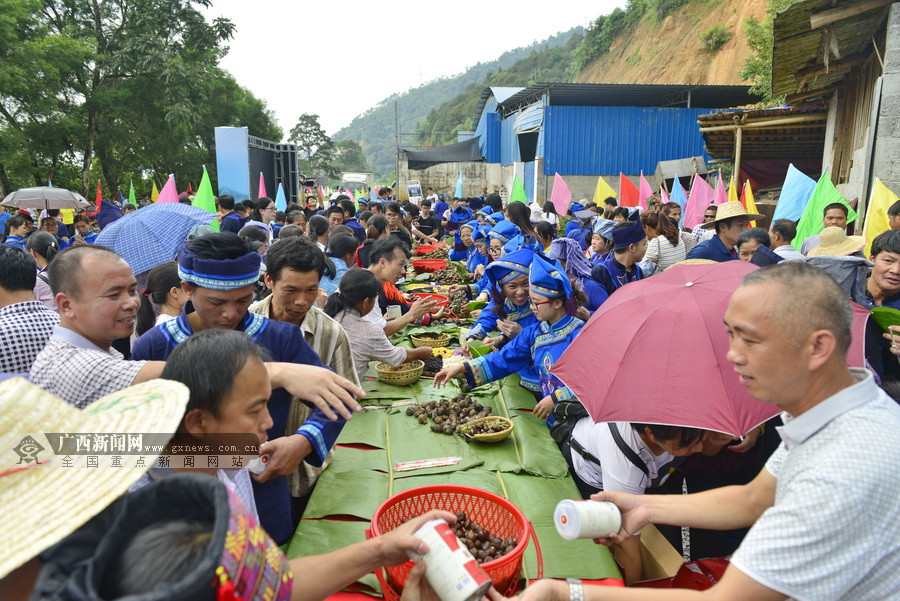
824 513
537 347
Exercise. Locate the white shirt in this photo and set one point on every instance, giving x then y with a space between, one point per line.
618 472
789 253
834 530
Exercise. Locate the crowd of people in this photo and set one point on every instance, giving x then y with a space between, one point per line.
271 324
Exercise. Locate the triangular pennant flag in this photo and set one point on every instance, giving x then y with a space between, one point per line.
795 193
876 213
663 195
154 193
748 201
97 200
701 195
602 192
121 198
49 184
721 194
132 198
518 192
262 187
280 200
645 191
628 192
561 196
459 186
811 223
732 190
189 191
352 196
678 195
205 198
169 193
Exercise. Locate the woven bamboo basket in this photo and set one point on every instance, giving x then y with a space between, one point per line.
441 340
490 420
400 377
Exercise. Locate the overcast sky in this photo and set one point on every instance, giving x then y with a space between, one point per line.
337 58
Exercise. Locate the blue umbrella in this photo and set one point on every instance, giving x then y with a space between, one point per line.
151 235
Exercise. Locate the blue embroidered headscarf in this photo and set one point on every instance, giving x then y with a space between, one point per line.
503 231
548 279
218 274
509 267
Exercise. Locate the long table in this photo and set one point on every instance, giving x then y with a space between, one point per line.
526 468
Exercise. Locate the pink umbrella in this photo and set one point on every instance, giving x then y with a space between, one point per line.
663 348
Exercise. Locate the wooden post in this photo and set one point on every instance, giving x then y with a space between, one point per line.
737 153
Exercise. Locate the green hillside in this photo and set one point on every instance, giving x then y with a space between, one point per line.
374 129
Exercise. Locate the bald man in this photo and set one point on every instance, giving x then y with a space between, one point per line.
825 510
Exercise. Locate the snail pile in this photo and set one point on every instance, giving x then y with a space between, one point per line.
482 544
447 276
438 253
448 415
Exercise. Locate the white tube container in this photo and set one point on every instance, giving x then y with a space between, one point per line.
450 569
586 519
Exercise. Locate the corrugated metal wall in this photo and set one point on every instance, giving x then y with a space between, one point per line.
488 132
509 146
591 140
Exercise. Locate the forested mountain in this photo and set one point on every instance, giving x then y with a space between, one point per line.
374 129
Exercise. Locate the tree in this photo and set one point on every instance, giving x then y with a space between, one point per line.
349 156
316 149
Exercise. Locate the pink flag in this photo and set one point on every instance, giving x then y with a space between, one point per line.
262 186
721 191
628 192
168 193
663 195
701 194
561 196
645 192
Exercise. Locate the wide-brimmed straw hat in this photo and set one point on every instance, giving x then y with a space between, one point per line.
729 210
834 241
43 500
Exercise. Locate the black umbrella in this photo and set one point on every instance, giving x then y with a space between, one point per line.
45 197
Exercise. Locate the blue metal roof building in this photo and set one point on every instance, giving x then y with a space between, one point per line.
597 129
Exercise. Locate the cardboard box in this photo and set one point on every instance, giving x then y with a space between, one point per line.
659 558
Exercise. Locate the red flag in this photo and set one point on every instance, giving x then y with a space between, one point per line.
97 200
189 191
629 196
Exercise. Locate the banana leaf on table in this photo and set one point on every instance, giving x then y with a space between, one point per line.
317 537
357 493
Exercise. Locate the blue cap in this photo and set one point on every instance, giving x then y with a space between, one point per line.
575 207
504 231
509 267
603 227
547 278
518 241
628 235
479 234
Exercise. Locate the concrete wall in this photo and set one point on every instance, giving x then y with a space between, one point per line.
886 157
443 178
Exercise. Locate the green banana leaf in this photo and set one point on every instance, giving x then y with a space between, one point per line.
366 427
476 478
348 459
357 493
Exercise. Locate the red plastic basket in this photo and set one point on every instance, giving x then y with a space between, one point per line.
424 249
428 265
440 298
493 512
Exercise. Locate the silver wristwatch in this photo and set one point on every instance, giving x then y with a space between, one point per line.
576 589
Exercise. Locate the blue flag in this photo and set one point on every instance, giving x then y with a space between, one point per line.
795 193
459 193
280 200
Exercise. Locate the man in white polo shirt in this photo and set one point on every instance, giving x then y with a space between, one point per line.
825 511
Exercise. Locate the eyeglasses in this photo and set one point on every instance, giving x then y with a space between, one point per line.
495 251
534 305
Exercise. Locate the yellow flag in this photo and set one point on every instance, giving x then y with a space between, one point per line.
748 200
732 190
602 192
154 193
876 213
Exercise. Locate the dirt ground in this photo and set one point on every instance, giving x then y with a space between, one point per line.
670 52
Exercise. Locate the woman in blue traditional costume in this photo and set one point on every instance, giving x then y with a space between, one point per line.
577 266
508 310
539 345
498 237
15 231
601 239
479 259
463 245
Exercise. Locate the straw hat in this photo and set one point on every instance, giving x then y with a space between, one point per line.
695 262
727 210
43 501
834 241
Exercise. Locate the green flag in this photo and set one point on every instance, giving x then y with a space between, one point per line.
131 197
205 199
518 192
811 222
